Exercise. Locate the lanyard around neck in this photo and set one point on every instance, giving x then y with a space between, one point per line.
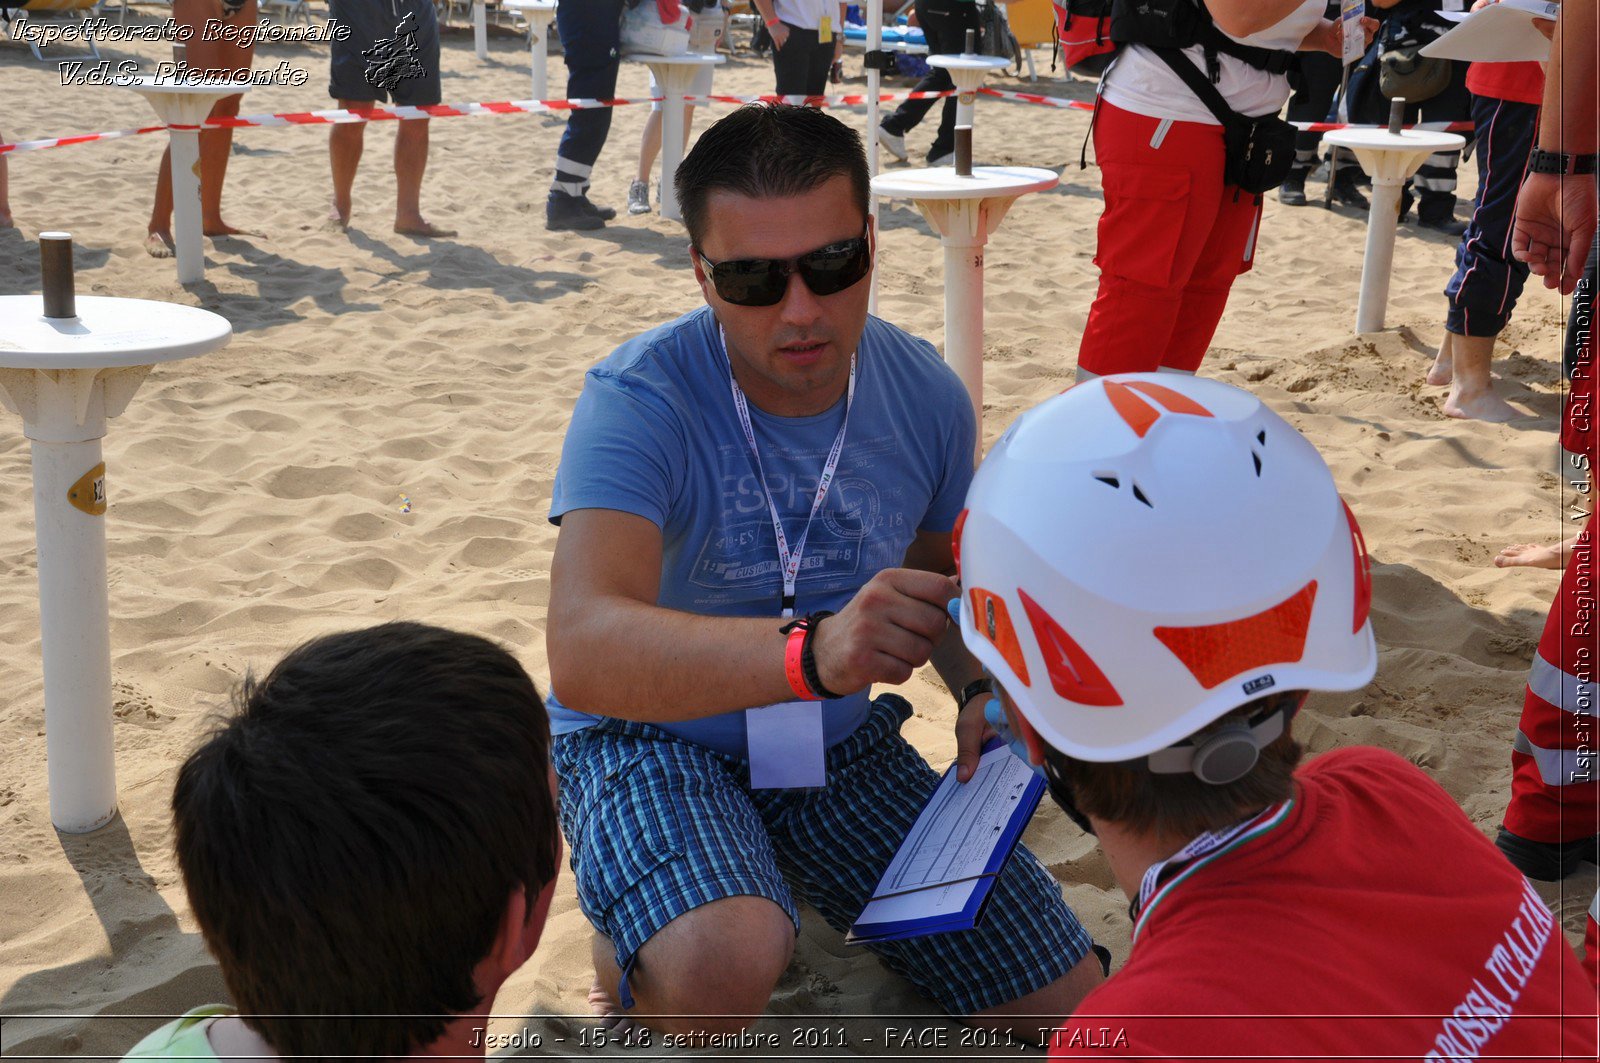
1160 877
789 562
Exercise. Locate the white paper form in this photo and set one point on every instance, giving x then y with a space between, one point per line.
953 844
1502 32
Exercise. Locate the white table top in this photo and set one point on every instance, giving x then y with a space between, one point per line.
686 59
941 182
1407 140
184 87
530 5
968 62
107 333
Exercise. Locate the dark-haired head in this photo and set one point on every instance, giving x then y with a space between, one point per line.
765 151
352 839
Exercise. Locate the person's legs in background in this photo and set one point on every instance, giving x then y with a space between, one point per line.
590 36
1488 278
944 24
801 66
1162 204
1436 179
1229 251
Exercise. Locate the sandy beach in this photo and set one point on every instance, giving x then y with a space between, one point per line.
378 442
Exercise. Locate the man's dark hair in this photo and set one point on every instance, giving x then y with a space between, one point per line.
767 150
349 838
1181 806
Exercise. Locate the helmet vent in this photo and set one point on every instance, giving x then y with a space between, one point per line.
1108 479
1257 459
1140 496
1261 437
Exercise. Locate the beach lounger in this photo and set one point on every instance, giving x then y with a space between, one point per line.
20 13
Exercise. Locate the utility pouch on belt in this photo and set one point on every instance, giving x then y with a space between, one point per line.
1258 152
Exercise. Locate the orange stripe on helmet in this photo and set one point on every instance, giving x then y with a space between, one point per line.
1174 401
1214 653
993 620
1139 415
1363 570
1073 673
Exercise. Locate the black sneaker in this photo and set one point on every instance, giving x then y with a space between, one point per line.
1346 193
562 211
603 213
1292 193
1546 861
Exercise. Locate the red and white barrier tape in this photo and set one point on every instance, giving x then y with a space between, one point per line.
448 110
462 110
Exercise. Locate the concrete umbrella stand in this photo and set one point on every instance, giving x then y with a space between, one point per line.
1389 156
67 366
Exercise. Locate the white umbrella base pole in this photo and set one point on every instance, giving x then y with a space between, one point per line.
480 28
963 324
186 236
671 147
539 50
1378 262
76 637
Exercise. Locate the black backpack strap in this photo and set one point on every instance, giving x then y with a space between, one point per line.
1198 84
1272 60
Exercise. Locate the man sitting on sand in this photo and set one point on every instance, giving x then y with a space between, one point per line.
370 848
1156 569
775 453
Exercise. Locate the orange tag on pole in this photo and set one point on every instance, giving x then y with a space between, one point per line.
89 493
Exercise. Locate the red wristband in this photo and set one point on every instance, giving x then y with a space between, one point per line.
793 668
771 22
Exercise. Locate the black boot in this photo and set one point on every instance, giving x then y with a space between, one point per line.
1345 192
1547 861
562 211
1292 193
1436 211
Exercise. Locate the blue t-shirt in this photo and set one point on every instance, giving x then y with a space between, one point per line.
655 433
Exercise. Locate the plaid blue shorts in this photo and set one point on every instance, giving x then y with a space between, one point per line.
657 826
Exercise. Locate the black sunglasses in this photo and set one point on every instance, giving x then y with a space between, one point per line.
762 281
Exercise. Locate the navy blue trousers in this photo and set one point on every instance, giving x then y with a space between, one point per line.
590 34
1488 278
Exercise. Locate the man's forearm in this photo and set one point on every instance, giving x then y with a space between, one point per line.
642 662
1570 113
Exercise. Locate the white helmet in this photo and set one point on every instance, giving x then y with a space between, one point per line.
1144 553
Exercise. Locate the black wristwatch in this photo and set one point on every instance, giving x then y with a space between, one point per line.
1559 162
972 690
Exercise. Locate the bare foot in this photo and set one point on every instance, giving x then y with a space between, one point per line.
1533 555
222 228
607 1011
5 220
1485 406
422 228
159 245
338 219
1443 367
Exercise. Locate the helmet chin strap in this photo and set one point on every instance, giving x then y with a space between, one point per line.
1061 793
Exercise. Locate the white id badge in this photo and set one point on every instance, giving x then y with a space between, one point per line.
786 746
